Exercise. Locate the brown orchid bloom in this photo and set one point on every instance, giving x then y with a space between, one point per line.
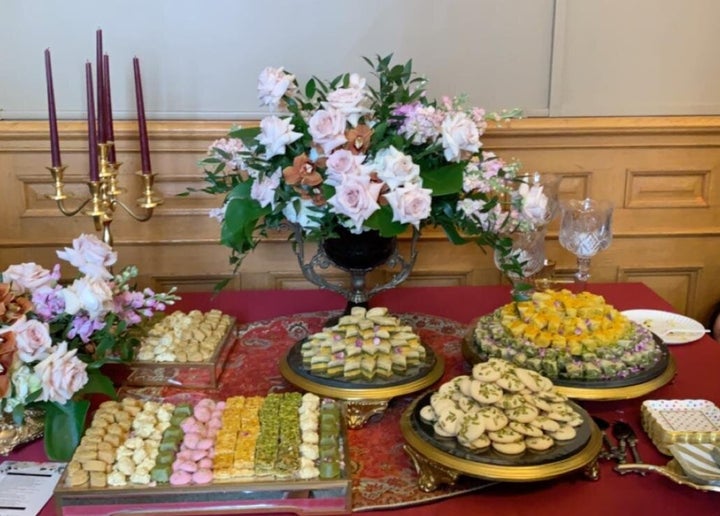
12 307
302 172
358 139
7 355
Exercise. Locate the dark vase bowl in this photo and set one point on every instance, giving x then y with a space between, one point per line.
362 251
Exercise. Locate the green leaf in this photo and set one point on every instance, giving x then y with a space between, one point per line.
63 428
444 180
246 134
241 218
310 88
98 383
382 221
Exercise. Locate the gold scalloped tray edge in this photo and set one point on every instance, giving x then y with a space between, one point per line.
354 393
533 473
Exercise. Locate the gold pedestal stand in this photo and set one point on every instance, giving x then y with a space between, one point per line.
105 195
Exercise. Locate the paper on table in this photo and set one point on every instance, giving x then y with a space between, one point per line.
25 487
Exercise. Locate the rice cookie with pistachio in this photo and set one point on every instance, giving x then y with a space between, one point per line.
539 443
493 418
514 448
526 429
522 414
510 382
546 424
505 435
486 372
486 393
564 433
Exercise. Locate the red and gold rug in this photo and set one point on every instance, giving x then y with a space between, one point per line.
383 476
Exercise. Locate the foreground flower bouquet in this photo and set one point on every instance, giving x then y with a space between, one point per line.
381 157
54 338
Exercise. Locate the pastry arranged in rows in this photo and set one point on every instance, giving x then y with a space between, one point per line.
364 345
503 407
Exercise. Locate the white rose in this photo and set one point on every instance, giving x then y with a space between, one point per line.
275 134
273 83
304 213
263 191
459 133
24 383
327 128
62 374
90 255
395 168
32 339
356 198
350 101
534 203
27 277
410 203
94 295
72 301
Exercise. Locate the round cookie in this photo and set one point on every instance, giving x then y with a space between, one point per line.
513 448
510 401
523 414
564 433
546 424
526 429
471 428
485 372
451 420
427 414
481 442
530 379
540 443
487 393
505 435
493 418
510 382
537 402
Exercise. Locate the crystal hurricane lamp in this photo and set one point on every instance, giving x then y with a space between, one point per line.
105 194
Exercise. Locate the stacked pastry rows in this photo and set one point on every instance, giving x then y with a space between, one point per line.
363 345
181 337
501 406
281 436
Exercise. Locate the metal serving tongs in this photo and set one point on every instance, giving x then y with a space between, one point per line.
666 471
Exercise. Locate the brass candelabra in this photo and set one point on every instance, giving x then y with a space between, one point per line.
105 193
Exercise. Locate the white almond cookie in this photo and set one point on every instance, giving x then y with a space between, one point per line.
537 402
510 382
511 401
493 418
485 372
481 442
487 393
564 433
526 429
562 417
539 443
450 421
464 385
513 448
505 435
440 432
522 414
427 414
441 403
576 421
500 364
472 428
529 378
552 396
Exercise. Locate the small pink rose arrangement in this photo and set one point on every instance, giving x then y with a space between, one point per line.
366 157
55 337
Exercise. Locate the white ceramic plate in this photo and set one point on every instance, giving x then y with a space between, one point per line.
660 323
697 462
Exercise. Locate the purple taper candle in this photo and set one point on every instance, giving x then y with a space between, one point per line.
52 115
102 137
92 136
109 131
142 126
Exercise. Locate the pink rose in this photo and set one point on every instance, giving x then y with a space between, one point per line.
263 190
275 134
342 163
350 101
535 203
90 294
90 255
459 133
27 277
410 203
273 83
356 198
395 168
327 128
62 374
32 339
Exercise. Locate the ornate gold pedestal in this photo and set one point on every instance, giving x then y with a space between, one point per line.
12 435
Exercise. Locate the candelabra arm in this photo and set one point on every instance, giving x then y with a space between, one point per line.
140 218
60 196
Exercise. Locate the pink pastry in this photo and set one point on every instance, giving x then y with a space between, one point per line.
188 465
190 424
197 455
191 440
180 478
202 476
184 454
204 444
202 414
205 463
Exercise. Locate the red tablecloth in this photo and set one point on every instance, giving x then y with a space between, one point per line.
570 495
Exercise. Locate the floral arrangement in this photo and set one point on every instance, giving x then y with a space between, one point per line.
383 158
54 338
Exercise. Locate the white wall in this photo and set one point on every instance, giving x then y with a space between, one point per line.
200 59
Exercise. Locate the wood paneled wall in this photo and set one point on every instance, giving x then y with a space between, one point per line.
663 174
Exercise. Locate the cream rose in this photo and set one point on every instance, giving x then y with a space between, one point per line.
459 133
93 295
275 134
90 255
32 339
327 128
27 277
350 101
342 163
61 374
263 191
395 168
534 203
410 203
356 198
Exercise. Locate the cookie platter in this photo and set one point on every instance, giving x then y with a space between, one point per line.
491 425
367 372
184 350
283 452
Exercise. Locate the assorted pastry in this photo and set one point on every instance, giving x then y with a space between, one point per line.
364 345
501 406
146 443
185 337
567 336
